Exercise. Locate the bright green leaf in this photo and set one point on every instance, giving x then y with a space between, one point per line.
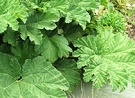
106 58
52 48
36 22
78 14
10 11
38 79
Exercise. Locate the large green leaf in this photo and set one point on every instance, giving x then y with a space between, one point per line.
38 79
35 22
107 59
67 66
52 48
10 11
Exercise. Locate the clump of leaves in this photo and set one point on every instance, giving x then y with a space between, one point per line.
106 59
36 45
31 43
113 19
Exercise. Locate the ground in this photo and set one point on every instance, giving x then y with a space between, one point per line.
131 27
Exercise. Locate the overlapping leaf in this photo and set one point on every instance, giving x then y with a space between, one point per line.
58 8
107 59
23 51
10 11
11 37
78 14
35 22
38 79
67 66
52 48
75 10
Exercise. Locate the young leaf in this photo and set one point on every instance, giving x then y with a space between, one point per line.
52 48
38 79
106 58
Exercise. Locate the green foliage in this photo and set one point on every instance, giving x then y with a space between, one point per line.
113 19
106 59
23 51
10 11
37 40
70 71
34 80
54 47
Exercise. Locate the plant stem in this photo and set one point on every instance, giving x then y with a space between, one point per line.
92 92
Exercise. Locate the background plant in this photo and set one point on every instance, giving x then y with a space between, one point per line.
113 18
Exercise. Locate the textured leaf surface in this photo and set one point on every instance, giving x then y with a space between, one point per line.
9 67
52 48
36 22
23 51
39 79
10 11
107 58
79 15
11 37
59 8
72 10
69 66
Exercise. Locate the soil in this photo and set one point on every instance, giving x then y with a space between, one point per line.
131 29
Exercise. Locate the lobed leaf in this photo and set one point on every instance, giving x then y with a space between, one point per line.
52 48
10 11
106 59
37 79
